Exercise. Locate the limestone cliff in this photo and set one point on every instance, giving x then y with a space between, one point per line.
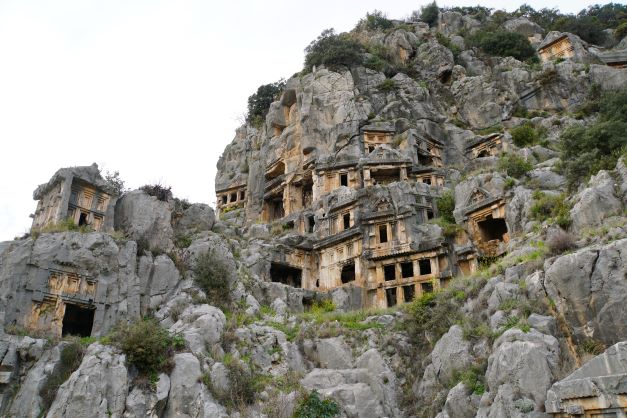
399 237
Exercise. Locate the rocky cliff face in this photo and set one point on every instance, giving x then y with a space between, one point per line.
361 191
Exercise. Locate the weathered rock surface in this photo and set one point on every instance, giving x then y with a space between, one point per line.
588 289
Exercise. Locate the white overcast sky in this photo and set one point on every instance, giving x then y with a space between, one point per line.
154 89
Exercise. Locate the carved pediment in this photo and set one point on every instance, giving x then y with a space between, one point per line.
478 195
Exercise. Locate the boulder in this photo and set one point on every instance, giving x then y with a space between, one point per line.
588 288
596 202
98 388
521 365
145 219
197 217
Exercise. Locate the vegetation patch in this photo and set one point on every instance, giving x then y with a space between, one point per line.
159 191
313 406
334 51
70 359
147 346
260 101
598 146
514 165
211 275
527 134
504 44
244 384
377 20
551 207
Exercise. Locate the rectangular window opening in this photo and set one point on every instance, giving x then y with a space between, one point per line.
383 233
389 272
344 179
426 287
346 220
348 273
425 266
409 292
311 222
390 296
407 269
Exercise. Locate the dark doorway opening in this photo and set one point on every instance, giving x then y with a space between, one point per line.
390 296
429 214
427 180
409 292
282 273
348 273
311 222
424 266
389 272
346 220
383 233
407 269
307 193
492 229
275 208
344 179
233 197
426 287
483 153
77 321
224 199
82 220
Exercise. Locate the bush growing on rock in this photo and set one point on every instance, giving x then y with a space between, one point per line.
375 20
259 102
525 134
429 14
504 44
159 191
312 406
147 345
446 206
70 358
554 207
211 275
560 242
513 165
333 50
244 384
586 150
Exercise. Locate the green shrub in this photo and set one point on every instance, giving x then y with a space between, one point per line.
473 378
259 102
375 20
334 51
513 165
429 13
311 406
588 28
621 30
446 206
211 274
592 346
387 85
64 226
115 182
554 207
527 134
159 191
503 44
70 358
244 384
509 183
586 150
147 345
